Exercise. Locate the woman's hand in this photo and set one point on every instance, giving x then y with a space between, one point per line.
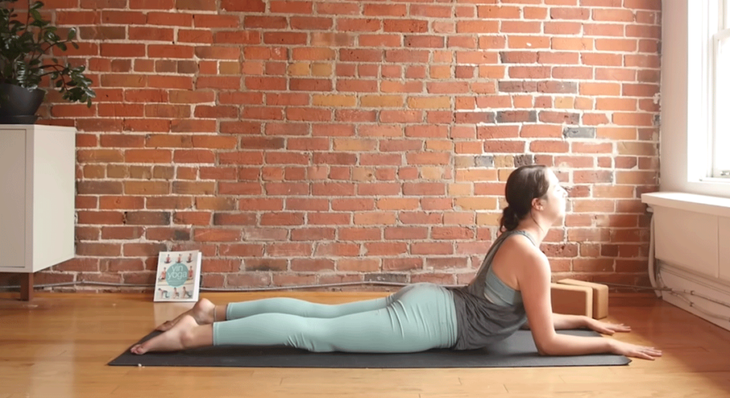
607 328
633 350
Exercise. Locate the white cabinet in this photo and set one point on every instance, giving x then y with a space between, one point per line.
37 178
692 252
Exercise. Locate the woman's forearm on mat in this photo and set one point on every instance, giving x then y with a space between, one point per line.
562 321
562 344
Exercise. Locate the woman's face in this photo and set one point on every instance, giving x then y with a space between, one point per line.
555 199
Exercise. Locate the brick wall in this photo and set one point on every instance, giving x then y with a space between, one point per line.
304 142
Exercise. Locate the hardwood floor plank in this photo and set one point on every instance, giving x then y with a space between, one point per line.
690 392
719 378
48 388
666 388
145 383
511 375
385 382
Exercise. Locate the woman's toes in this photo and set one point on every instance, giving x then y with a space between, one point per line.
137 349
177 338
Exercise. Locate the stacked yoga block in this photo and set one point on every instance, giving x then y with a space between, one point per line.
574 297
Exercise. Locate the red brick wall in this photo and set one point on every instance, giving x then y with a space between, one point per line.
304 142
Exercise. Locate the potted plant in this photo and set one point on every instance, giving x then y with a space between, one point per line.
23 43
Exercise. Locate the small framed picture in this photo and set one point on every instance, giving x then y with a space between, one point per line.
178 276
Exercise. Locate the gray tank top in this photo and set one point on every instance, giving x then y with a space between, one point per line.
487 310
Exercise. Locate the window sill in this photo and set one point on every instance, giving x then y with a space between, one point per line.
705 204
715 180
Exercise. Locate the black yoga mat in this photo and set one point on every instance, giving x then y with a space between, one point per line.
516 351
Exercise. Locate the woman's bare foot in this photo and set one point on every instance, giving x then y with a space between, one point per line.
172 340
202 312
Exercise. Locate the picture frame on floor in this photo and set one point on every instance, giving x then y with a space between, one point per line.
178 276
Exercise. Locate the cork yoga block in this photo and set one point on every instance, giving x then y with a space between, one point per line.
571 300
600 295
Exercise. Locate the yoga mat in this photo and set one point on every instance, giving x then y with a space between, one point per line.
517 350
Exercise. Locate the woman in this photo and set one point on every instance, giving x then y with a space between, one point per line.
511 287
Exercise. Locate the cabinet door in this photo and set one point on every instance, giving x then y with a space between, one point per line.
53 193
724 249
13 199
687 239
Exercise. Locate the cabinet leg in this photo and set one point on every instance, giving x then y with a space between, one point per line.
26 287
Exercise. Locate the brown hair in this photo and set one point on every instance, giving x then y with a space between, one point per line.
523 185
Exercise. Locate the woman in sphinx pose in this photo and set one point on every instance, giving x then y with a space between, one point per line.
510 290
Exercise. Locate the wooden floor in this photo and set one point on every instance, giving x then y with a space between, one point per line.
58 346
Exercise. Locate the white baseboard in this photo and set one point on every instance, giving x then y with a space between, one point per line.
680 279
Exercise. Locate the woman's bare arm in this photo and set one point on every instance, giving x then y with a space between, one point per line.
535 288
564 321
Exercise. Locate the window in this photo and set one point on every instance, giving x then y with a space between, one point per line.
721 122
695 107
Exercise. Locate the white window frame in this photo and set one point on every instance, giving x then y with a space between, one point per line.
720 64
687 97
704 155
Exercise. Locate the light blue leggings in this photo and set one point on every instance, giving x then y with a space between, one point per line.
416 318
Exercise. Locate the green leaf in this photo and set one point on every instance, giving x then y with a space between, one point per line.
71 34
36 15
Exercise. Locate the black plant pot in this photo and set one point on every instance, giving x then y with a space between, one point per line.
18 105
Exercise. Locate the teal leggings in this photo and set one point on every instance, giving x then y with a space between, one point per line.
416 318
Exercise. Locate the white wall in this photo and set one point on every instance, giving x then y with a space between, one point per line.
683 124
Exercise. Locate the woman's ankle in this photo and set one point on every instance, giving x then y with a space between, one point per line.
219 313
